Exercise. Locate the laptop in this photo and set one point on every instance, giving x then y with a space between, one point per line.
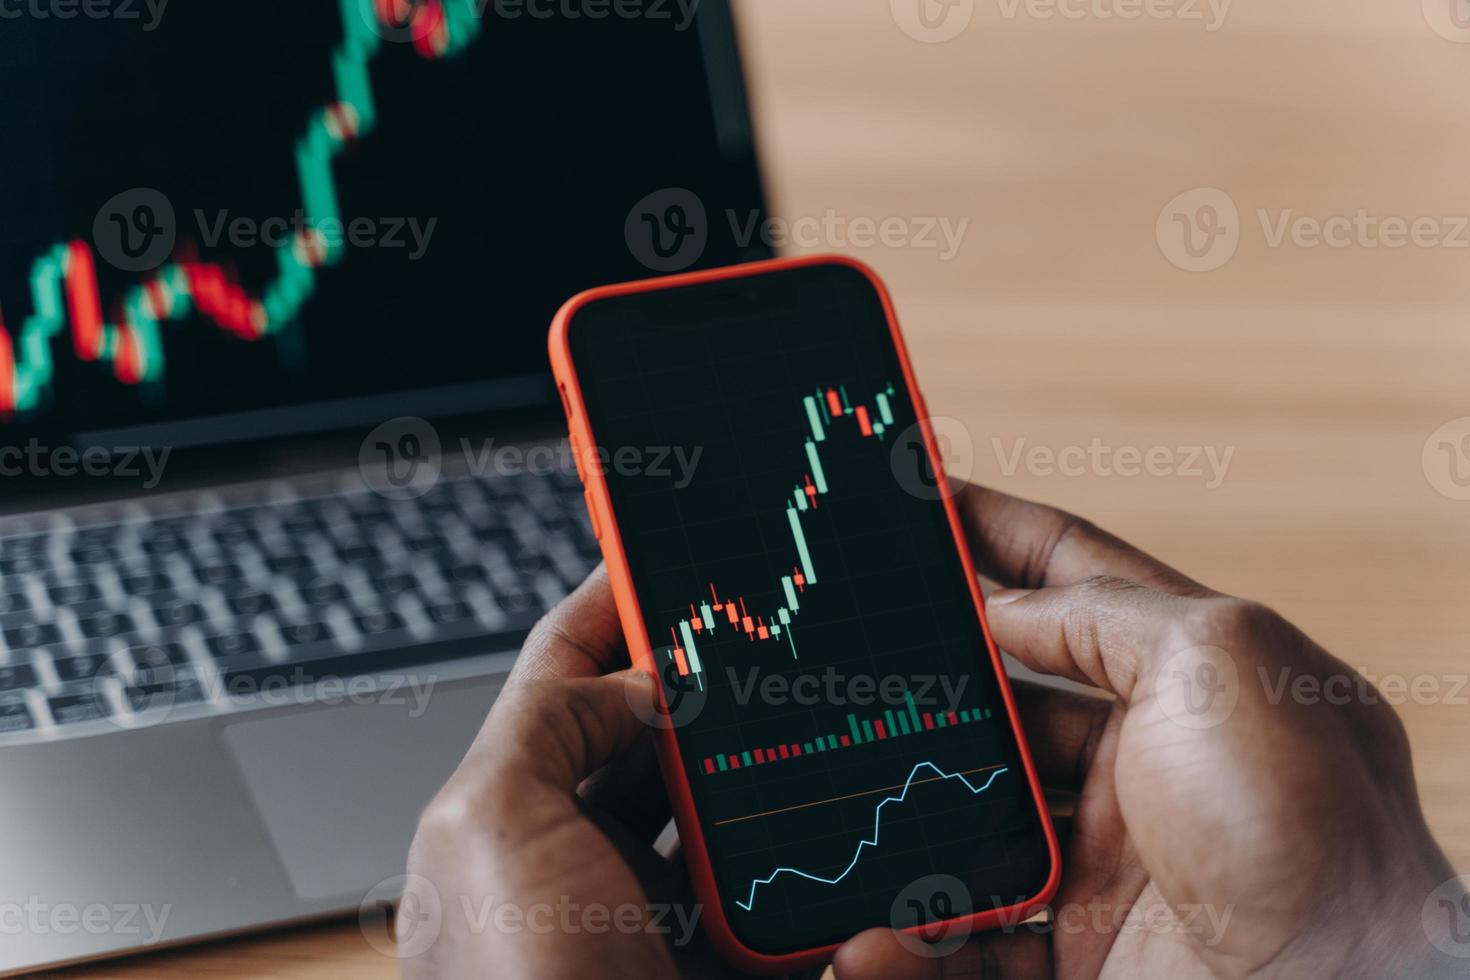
282 487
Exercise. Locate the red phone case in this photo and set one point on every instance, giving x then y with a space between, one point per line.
599 505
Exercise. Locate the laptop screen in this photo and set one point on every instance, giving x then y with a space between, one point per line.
235 219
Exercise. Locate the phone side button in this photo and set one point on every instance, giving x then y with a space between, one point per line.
576 455
592 515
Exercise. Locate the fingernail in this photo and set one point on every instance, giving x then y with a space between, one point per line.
639 678
1002 596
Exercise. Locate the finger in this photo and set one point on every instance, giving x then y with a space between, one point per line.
579 637
1100 631
558 732
1063 729
1020 543
631 789
537 745
880 954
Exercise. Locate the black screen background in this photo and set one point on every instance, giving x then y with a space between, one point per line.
529 148
890 600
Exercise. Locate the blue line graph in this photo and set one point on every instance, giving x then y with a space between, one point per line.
749 903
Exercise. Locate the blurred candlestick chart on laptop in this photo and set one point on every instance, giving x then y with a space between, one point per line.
123 331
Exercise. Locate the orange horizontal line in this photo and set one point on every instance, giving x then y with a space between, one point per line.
851 796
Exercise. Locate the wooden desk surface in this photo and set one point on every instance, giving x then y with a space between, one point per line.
1059 319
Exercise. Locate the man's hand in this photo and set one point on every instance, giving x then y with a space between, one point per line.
1266 836
548 825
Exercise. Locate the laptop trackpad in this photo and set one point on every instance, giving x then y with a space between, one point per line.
340 789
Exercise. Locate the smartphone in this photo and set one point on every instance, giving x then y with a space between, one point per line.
837 734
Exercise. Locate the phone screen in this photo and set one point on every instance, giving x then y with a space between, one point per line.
841 726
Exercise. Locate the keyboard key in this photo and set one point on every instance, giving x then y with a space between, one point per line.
501 489
106 624
496 535
375 520
94 554
15 717
176 521
217 573
427 544
530 564
228 645
358 554
392 584
177 612
82 668
23 565
161 657
32 635
74 593
284 564
142 583
164 694
378 622
295 634
321 592
232 535
12 602
447 612
465 573
438 506
17 677
33 545
162 543
251 603
518 602
97 534
73 708
301 524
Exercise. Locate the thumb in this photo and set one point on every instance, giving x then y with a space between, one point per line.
1102 631
558 731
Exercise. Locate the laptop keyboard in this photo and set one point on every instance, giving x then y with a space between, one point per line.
214 606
